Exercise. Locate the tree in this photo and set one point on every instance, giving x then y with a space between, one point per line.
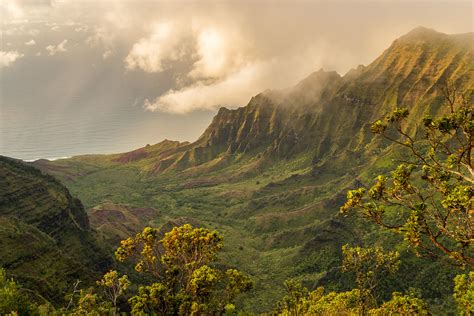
408 304
89 303
333 303
113 286
299 301
11 298
464 293
294 302
318 302
182 250
368 265
428 197
182 264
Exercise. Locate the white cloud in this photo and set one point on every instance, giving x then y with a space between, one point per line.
31 42
11 8
106 54
223 52
228 61
227 64
8 58
54 49
166 43
233 90
216 51
83 28
100 36
232 79
219 51
201 96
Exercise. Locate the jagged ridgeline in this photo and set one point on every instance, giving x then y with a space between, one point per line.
46 242
272 175
330 115
325 114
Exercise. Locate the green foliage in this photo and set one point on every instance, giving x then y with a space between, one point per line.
299 301
369 265
294 299
432 194
185 282
343 303
408 304
188 249
101 300
182 250
89 303
202 281
11 298
45 238
237 283
318 302
152 298
464 293
113 286
181 263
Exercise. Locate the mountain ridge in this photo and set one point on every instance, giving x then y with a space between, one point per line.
272 175
409 72
45 235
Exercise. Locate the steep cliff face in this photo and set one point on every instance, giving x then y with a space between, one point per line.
412 71
325 115
329 114
38 200
45 237
273 121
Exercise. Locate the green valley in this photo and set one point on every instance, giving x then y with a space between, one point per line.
270 177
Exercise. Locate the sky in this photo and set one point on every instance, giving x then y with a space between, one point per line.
105 76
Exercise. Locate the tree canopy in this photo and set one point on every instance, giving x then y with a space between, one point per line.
186 277
429 196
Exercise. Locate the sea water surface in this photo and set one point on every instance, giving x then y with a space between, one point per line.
52 134
76 103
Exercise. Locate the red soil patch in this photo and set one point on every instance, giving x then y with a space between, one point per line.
131 156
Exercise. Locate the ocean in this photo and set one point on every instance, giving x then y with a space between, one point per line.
49 133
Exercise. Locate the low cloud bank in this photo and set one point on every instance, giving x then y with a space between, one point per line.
8 58
54 49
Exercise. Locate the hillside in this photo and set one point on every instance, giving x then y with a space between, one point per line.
45 238
271 175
